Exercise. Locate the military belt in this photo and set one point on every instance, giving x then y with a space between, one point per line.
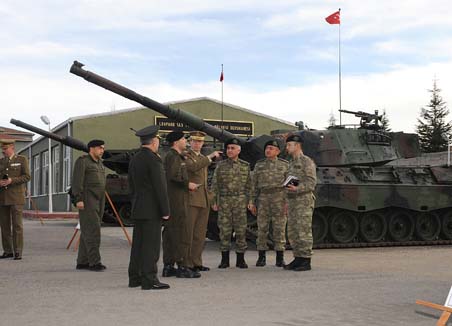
271 190
230 194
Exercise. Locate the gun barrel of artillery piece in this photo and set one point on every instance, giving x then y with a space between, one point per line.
66 140
175 114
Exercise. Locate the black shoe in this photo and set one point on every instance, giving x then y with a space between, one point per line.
97 268
184 272
168 271
134 283
82 266
155 285
304 265
261 260
202 268
17 256
224 260
240 263
5 255
280 259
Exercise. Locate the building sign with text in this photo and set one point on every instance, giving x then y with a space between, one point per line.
238 128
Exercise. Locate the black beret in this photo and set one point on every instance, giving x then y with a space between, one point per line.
272 142
95 143
232 141
147 132
295 138
174 136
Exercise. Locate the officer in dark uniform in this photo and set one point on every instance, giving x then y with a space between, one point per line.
150 205
176 234
14 174
88 189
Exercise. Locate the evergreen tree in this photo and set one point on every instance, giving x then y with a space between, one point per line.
434 132
385 122
331 120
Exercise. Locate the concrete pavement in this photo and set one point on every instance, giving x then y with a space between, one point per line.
371 286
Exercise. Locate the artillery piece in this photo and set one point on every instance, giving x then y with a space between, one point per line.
361 200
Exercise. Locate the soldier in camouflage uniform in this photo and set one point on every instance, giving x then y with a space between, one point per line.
301 201
270 198
231 185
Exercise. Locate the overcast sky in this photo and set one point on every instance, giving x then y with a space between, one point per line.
280 57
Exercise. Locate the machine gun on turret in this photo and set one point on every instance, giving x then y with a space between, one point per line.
367 119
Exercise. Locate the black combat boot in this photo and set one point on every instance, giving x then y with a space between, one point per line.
293 264
261 260
185 272
280 259
169 270
304 265
224 259
240 263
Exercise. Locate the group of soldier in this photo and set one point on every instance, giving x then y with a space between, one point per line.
174 192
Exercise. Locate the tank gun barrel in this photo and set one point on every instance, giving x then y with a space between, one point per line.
66 140
175 114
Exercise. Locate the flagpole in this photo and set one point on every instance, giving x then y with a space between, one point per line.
222 102
340 76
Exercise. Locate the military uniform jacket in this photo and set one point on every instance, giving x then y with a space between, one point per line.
147 186
231 178
177 182
18 170
88 182
197 173
304 169
268 176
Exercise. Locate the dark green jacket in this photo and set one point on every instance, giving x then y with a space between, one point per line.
18 170
177 182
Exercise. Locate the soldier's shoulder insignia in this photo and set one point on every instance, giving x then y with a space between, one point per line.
243 162
283 160
262 160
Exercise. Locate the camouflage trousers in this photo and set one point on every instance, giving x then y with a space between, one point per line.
232 216
299 224
271 210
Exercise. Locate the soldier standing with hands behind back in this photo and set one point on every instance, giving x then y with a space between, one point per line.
270 196
301 201
14 174
88 189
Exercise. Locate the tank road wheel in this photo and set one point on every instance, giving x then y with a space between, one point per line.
319 227
400 226
125 212
344 227
373 227
446 226
427 226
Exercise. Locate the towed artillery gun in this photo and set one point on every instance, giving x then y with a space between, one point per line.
361 199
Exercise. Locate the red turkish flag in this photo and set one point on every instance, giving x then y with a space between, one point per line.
221 77
334 18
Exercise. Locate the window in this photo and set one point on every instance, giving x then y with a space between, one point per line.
66 167
36 175
45 173
56 169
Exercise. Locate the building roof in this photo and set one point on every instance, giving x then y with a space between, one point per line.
15 134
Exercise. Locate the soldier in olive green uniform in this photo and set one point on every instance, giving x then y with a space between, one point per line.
14 174
176 234
198 198
88 189
231 187
301 201
150 206
270 198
